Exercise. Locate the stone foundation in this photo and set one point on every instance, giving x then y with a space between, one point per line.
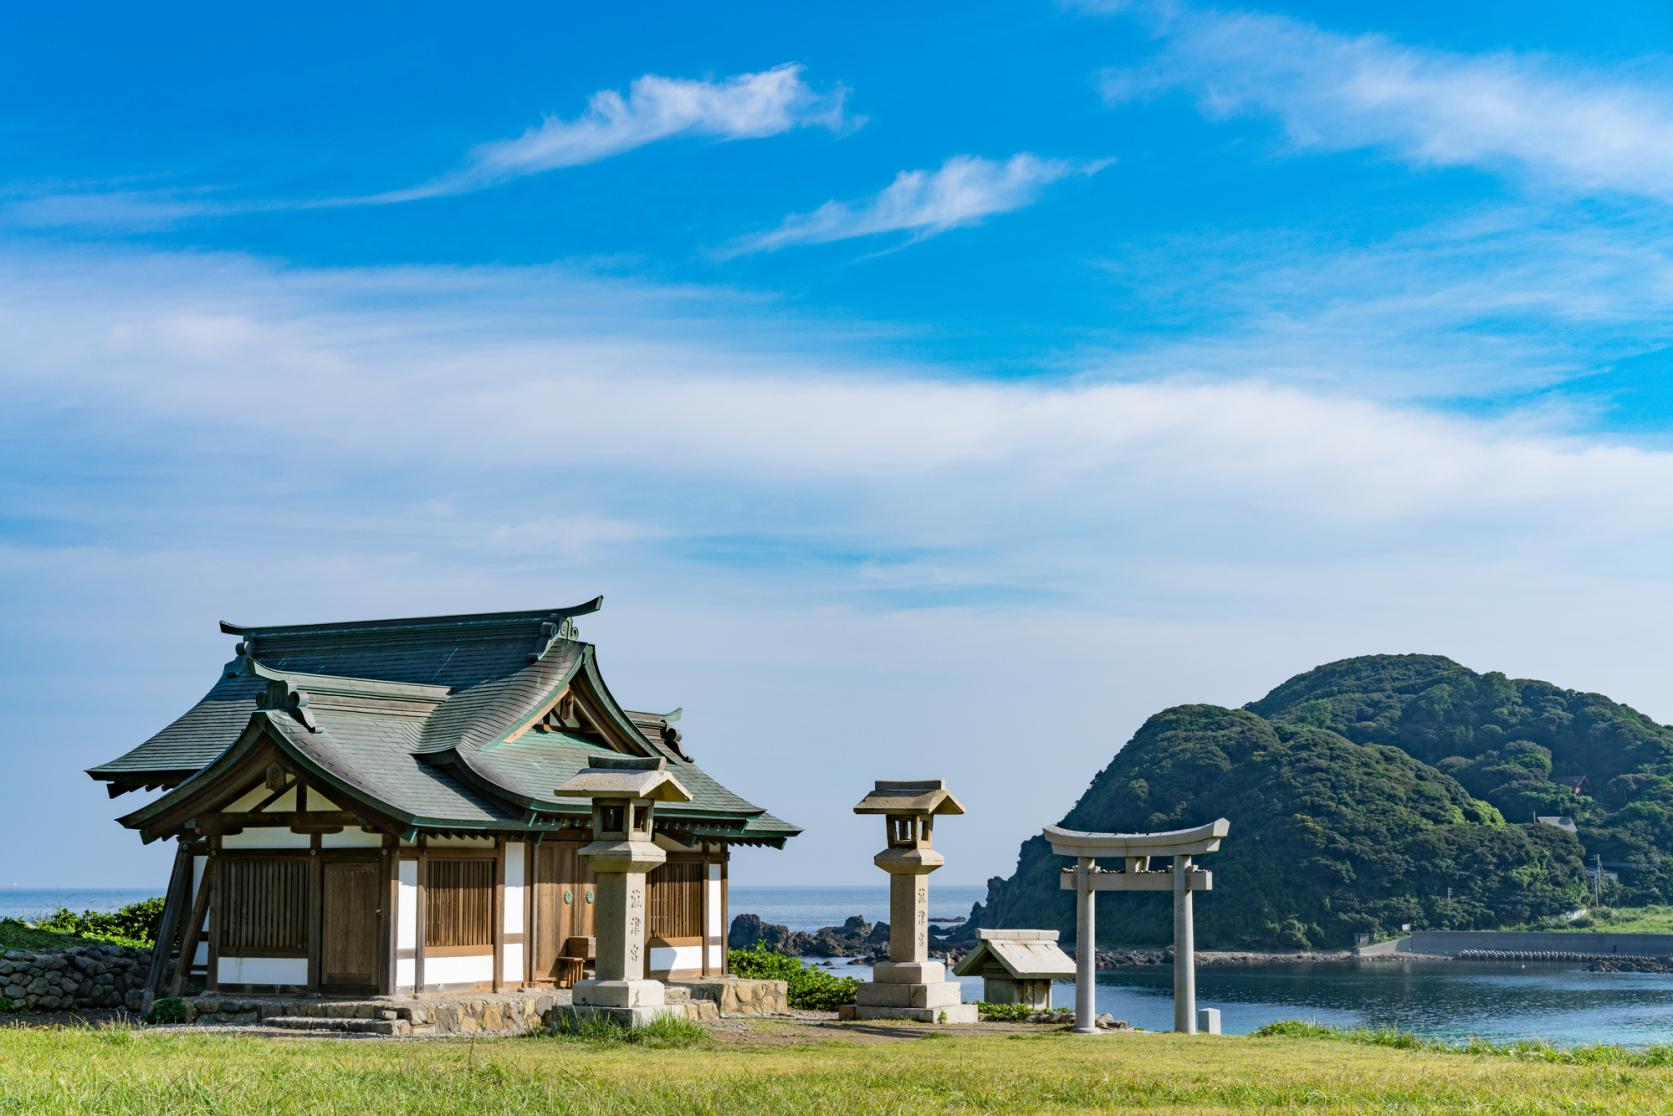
90 976
482 1013
736 996
499 1013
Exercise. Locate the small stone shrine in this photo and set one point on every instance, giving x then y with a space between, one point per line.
909 985
1135 850
1017 966
624 791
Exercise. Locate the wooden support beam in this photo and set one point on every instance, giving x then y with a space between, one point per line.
423 915
217 895
179 893
316 913
316 821
194 927
272 798
391 913
499 912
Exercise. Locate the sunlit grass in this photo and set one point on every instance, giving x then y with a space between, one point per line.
117 1070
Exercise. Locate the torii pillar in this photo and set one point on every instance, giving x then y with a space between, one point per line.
1184 878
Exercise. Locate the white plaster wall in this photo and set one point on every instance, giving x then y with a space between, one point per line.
514 853
248 800
201 957
511 971
406 972
352 839
475 968
266 838
665 959
406 905
262 970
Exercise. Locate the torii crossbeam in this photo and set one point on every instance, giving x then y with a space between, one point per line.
1086 879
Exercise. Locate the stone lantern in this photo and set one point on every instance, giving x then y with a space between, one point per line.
909 985
624 791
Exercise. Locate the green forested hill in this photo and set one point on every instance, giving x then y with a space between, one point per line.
1373 792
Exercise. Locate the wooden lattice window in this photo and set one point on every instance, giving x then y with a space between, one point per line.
677 899
459 903
263 907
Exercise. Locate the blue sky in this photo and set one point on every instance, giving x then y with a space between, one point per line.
930 389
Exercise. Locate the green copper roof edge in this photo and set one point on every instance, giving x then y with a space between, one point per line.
545 700
589 660
412 623
242 744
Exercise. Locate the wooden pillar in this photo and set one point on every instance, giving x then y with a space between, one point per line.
423 913
499 911
529 853
316 912
174 913
703 910
391 912
725 911
212 873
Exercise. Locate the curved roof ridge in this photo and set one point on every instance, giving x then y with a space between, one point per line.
451 622
343 684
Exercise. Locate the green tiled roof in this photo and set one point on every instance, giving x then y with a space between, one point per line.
414 716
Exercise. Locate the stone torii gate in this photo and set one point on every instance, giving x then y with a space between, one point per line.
1086 879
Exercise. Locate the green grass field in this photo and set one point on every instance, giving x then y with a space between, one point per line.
772 1070
1624 920
17 935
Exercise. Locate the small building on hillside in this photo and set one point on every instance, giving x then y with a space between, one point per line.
369 807
1558 821
1017 966
1577 785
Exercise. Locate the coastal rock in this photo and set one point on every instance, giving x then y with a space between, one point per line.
866 942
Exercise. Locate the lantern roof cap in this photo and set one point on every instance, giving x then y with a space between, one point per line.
625 777
920 797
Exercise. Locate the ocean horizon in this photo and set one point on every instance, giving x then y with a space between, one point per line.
799 908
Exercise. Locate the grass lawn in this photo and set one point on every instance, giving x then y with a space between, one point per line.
1626 920
15 935
768 1070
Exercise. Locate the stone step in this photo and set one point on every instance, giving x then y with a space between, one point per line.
321 1025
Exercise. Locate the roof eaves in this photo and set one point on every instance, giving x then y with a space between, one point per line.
453 623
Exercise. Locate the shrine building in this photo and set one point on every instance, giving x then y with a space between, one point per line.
369 808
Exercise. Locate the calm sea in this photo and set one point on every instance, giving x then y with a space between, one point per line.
1563 1004
26 902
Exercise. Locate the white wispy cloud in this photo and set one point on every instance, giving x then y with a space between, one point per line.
775 514
122 210
963 191
748 106
1550 120
1502 302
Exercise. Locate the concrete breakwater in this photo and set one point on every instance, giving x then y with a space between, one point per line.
1554 945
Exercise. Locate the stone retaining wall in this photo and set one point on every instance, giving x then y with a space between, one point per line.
1450 943
90 976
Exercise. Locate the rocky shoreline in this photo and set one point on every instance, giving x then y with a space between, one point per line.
868 943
